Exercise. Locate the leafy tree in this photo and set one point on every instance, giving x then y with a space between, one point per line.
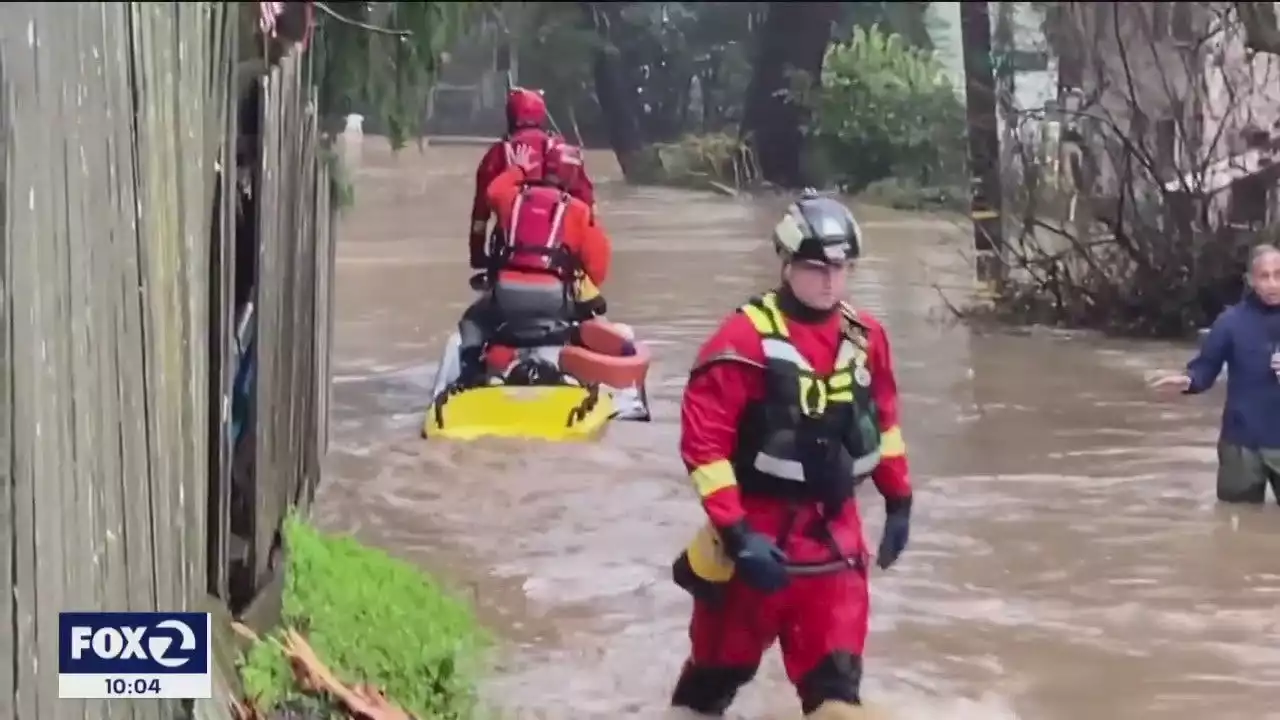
910 20
887 109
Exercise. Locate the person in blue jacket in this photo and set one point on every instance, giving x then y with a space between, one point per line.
1245 338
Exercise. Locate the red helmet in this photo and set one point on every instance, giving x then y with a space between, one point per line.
525 109
562 163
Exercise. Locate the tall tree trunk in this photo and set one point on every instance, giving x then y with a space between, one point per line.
984 140
616 101
793 40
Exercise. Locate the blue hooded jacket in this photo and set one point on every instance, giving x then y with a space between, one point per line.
1243 338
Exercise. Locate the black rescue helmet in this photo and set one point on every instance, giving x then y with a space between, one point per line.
819 229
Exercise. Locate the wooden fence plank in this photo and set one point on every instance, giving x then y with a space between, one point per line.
327 256
53 484
83 206
27 352
293 179
8 526
268 472
222 319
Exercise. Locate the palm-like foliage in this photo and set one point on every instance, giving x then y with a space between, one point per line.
887 108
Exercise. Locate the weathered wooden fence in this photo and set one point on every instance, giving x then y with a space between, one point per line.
277 464
117 324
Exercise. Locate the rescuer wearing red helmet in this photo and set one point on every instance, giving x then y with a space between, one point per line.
789 406
526 124
553 257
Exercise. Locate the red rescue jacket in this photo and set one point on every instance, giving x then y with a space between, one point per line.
715 402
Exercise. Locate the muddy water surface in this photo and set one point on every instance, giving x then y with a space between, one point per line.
1067 560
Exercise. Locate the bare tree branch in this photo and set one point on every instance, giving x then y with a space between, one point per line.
362 25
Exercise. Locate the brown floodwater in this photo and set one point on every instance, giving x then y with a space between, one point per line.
1068 559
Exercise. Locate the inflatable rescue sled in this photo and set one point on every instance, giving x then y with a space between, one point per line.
549 381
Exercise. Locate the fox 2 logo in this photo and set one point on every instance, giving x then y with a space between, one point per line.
142 643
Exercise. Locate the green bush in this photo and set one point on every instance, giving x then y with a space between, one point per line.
887 109
372 619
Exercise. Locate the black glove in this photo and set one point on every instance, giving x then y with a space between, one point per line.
758 561
479 260
897 530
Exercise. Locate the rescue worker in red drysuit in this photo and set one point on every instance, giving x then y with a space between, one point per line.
553 258
790 404
526 124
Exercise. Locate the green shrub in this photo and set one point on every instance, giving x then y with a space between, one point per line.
372 619
887 109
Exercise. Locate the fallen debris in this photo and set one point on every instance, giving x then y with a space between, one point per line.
312 676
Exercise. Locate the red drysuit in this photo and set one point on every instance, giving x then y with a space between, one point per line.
820 619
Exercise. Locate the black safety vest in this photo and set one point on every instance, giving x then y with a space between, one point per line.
811 437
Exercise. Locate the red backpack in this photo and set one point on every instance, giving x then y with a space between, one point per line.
535 242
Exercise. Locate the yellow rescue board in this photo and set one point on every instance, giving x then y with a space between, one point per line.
557 413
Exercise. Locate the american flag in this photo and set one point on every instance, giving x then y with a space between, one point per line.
293 20
268 12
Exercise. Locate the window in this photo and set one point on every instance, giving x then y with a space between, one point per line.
1248 203
1159 20
1028 60
1181 25
1139 126
1167 158
1173 21
1103 14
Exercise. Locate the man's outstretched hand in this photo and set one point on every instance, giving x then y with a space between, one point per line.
1180 382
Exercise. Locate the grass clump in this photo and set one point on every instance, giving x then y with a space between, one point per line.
697 160
372 619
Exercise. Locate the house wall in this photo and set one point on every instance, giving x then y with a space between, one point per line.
1183 89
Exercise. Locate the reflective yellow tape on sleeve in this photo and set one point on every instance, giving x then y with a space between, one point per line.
891 443
713 476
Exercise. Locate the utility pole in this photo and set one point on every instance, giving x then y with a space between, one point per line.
1004 51
984 142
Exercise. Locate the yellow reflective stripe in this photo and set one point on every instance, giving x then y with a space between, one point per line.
806 384
585 289
810 385
891 443
713 476
842 380
759 319
770 302
841 396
